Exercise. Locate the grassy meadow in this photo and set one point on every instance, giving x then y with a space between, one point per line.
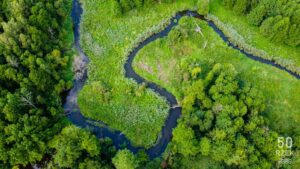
108 96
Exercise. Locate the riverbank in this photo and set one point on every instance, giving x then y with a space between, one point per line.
251 38
105 92
124 105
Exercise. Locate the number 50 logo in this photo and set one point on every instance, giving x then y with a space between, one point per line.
288 142
285 145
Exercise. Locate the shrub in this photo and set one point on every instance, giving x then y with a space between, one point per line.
203 7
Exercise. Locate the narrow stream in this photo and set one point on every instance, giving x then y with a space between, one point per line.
119 140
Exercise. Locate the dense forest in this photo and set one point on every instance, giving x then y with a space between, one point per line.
34 71
222 119
278 20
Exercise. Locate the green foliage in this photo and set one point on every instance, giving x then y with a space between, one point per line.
77 148
138 3
124 159
92 164
276 28
188 53
257 15
195 72
267 11
203 7
123 6
128 107
241 6
204 108
251 40
116 8
72 144
235 108
229 3
184 140
34 63
127 5
205 146
293 35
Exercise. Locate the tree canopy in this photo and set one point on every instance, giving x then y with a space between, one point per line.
78 148
222 119
34 63
124 159
278 20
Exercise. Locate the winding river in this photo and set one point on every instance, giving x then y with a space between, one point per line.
119 140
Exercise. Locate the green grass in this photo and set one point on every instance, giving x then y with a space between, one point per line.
169 63
108 96
252 34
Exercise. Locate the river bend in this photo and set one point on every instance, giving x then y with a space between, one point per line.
119 140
